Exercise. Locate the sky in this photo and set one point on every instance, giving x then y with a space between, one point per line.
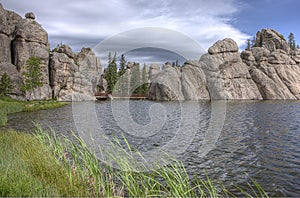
89 23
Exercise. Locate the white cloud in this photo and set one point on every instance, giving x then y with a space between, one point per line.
204 21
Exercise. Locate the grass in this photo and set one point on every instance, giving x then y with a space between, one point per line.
45 164
9 105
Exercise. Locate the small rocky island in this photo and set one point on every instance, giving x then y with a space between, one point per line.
270 70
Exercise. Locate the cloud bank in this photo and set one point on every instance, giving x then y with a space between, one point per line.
86 23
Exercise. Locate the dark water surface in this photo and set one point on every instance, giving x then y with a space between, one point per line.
259 139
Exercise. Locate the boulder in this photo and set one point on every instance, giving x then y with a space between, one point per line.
29 15
223 46
166 86
66 50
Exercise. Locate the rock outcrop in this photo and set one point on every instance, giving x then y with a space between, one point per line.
31 40
74 77
72 74
270 70
275 68
226 74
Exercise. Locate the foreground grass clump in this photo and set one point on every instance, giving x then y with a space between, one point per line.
29 168
9 105
47 165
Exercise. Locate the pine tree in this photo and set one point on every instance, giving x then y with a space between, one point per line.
122 65
145 80
5 85
248 44
112 73
109 58
32 76
123 78
292 42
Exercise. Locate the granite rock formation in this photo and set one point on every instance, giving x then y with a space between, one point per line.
74 77
269 70
70 72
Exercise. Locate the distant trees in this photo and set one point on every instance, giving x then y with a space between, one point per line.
32 76
291 41
250 43
5 85
112 73
123 77
126 78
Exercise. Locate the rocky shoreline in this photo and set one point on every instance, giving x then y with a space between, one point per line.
270 70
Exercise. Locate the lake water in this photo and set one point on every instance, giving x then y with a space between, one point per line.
259 139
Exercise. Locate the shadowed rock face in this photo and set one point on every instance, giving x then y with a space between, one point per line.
270 70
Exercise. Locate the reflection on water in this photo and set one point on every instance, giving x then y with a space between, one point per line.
259 139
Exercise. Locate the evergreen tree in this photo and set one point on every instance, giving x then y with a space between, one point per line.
122 65
5 85
145 80
135 79
248 44
123 78
32 76
109 58
292 42
112 73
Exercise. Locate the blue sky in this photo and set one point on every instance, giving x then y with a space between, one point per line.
86 23
281 15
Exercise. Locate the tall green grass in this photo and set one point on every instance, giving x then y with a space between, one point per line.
45 164
164 180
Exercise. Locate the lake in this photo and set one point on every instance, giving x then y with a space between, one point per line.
257 139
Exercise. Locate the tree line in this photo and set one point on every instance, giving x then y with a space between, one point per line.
125 79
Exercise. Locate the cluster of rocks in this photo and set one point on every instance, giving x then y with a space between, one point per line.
64 73
269 70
